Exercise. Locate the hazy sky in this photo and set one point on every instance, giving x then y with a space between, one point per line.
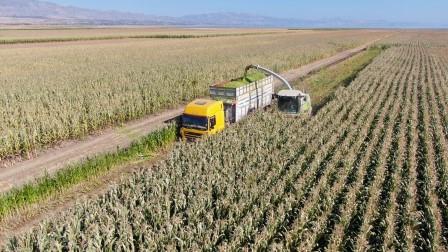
421 11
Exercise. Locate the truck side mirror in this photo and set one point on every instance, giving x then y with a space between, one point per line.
212 122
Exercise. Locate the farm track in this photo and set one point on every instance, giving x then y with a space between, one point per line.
71 152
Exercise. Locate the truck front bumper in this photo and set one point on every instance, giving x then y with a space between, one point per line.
191 136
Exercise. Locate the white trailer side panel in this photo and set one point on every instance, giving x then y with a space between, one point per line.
245 99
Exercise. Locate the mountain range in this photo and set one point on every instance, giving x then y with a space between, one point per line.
42 12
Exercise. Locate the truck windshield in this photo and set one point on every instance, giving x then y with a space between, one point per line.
195 122
288 104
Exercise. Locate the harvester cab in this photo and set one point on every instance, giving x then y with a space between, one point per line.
294 102
290 101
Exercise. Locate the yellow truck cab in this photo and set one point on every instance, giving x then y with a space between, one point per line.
202 117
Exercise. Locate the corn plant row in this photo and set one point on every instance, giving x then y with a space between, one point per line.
353 182
403 197
424 238
330 219
279 197
336 162
359 222
439 145
383 236
418 172
357 208
259 221
374 224
276 183
428 100
297 193
388 218
342 194
411 207
303 228
371 233
272 186
433 233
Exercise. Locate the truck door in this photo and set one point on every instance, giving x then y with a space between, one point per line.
230 111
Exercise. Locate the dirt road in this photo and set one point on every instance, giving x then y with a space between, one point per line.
72 152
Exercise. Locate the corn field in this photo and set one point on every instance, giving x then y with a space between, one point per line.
368 172
56 92
12 36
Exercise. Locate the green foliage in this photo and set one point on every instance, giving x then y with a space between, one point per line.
249 78
63 179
